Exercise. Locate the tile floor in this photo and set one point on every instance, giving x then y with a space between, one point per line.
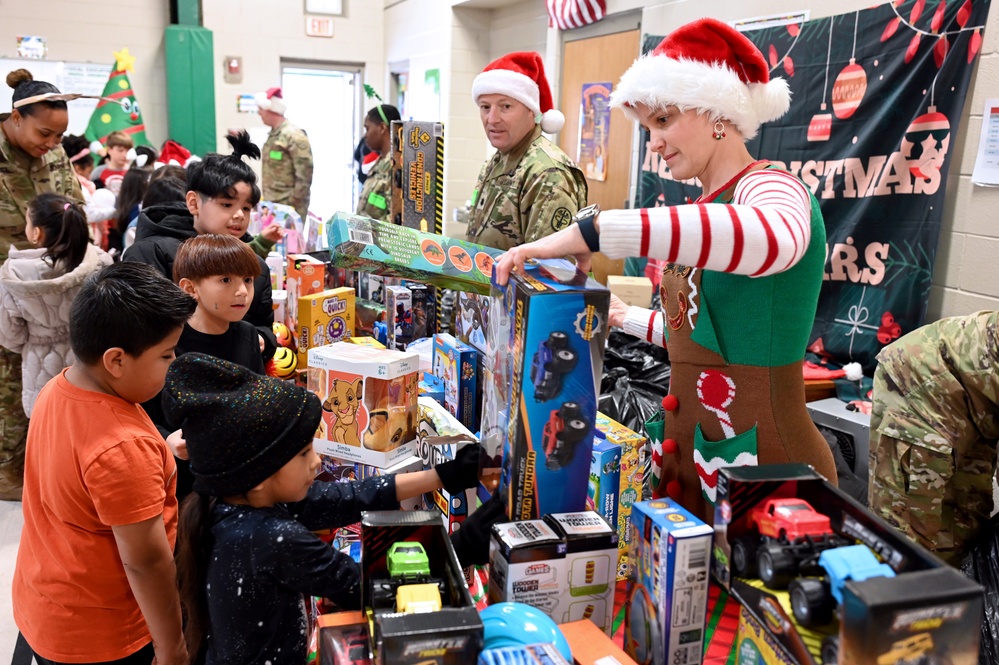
10 534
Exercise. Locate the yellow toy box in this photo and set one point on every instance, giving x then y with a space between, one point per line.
632 449
369 402
324 318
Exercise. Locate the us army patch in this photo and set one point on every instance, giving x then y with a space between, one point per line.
561 219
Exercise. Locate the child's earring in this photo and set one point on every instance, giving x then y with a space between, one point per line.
719 132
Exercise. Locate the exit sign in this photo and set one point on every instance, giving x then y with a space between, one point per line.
318 26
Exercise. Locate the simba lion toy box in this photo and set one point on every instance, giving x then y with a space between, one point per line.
369 402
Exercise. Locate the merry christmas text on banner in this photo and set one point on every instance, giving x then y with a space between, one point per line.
877 96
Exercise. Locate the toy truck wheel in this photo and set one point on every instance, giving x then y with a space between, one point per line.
744 557
776 565
811 602
558 340
564 361
830 650
382 595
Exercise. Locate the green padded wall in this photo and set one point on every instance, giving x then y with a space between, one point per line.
190 70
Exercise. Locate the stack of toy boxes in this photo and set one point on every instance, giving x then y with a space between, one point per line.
605 482
563 565
452 634
369 402
557 322
418 175
306 276
324 318
632 462
669 588
439 438
927 612
364 244
457 365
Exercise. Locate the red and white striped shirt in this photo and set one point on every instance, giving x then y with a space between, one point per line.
765 230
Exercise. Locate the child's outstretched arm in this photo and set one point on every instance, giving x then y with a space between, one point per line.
149 566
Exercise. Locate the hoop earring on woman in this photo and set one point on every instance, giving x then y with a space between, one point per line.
719 132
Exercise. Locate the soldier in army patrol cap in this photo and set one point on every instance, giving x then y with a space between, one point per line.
32 162
529 188
286 158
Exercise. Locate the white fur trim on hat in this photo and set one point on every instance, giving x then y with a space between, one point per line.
658 81
510 83
275 104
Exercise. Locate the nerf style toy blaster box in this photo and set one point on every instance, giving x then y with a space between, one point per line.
367 245
541 397
822 579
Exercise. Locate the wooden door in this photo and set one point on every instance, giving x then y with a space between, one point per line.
600 60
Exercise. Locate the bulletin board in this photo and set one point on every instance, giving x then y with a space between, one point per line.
84 77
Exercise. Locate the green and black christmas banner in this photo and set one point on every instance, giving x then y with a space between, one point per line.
877 97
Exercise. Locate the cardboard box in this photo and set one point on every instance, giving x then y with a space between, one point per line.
363 244
591 646
439 438
590 560
542 396
605 480
526 565
432 387
399 311
472 319
344 639
364 340
369 402
306 275
634 291
424 298
457 366
418 175
923 589
668 594
324 318
632 462
450 636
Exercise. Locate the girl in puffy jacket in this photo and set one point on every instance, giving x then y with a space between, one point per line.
37 286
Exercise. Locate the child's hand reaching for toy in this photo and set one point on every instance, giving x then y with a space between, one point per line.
177 444
272 232
462 472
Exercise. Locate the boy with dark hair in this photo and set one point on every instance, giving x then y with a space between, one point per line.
221 192
95 580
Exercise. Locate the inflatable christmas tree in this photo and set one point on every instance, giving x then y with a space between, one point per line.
123 116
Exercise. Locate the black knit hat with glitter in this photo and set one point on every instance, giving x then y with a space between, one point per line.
240 427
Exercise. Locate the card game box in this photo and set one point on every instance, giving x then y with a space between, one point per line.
324 318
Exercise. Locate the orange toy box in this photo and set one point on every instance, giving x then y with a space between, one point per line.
324 318
369 396
306 275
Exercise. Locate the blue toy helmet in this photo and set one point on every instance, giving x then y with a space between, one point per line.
517 624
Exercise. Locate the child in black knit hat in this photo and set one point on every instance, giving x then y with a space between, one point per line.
246 554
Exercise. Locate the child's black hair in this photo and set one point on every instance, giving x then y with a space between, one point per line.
164 190
126 305
383 114
65 226
133 189
25 85
217 175
194 546
74 145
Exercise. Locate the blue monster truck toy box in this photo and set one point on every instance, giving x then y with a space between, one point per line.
546 362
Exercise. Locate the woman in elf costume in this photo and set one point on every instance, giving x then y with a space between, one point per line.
744 263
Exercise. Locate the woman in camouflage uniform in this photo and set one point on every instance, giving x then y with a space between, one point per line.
32 162
374 200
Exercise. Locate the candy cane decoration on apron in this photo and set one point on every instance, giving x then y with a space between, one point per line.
716 391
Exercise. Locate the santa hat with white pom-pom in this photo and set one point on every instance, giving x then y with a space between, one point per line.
521 76
709 66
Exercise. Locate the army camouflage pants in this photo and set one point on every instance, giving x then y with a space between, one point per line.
13 426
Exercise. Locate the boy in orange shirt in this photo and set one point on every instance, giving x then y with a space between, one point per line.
95 580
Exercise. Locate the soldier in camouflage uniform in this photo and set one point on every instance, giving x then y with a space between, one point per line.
934 430
377 192
286 158
32 162
530 188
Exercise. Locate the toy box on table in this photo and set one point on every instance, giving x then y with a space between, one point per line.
457 366
590 560
605 479
424 299
418 175
432 387
412 549
324 318
439 438
369 402
545 376
344 639
632 462
305 276
399 311
472 320
779 531
667 593
396 251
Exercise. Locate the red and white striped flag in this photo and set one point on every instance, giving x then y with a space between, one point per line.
569 14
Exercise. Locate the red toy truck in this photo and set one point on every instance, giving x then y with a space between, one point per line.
789 518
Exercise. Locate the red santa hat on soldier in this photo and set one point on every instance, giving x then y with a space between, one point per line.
272 100
709 66
521 76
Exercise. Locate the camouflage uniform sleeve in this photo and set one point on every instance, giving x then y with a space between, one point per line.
933 436
301 156
64 180
548 203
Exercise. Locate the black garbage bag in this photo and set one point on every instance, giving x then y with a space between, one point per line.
635 380
982 565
